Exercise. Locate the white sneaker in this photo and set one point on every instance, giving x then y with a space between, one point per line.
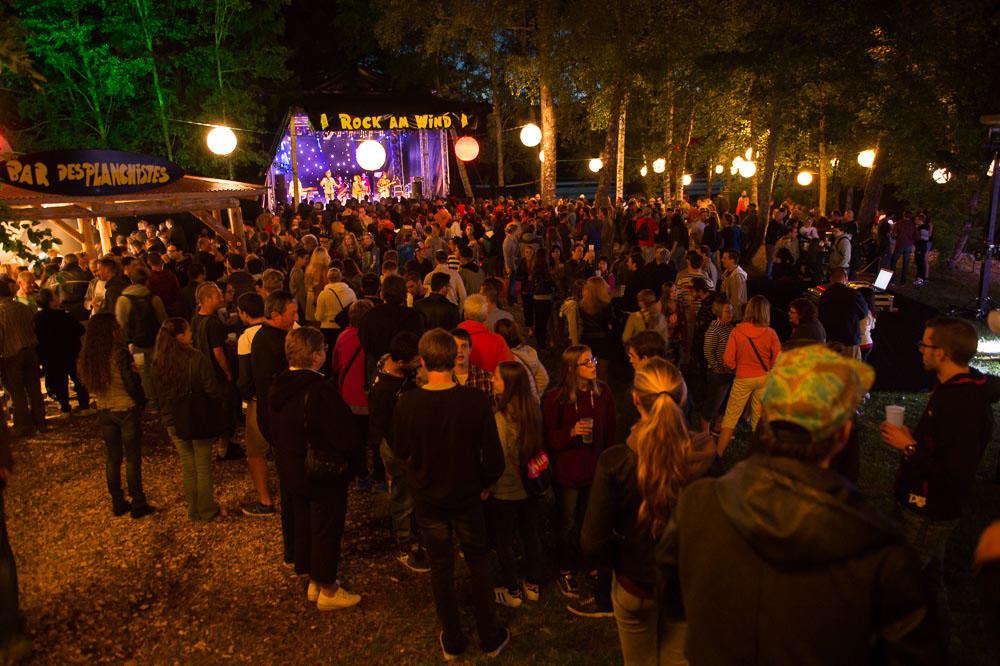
531 591
339 599
312 594
507 598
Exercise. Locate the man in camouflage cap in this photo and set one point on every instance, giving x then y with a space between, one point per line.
782 560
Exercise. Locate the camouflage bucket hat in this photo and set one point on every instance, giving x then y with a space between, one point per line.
815 388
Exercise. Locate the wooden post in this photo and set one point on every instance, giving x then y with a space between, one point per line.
105 229
87 230
236 226
295 163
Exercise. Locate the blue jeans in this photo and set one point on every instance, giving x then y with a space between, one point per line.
122 431
196 466
906 252
930 539
437 527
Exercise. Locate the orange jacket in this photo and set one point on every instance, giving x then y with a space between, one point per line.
740 355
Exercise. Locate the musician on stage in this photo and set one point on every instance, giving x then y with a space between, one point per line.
329 185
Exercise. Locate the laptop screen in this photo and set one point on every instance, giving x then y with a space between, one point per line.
882 281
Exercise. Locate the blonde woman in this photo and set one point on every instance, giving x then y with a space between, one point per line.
648 318
635 488
751 352
315 279
595 321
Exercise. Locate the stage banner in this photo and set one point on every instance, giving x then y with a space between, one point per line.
91 173
389 121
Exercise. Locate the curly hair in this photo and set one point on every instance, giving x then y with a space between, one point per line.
101 343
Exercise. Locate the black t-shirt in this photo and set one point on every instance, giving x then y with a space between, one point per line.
209 333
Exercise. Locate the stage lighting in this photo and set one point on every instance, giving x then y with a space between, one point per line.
221 140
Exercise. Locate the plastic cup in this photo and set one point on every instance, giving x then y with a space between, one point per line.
894 414
588 438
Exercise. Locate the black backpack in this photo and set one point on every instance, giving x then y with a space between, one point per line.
142 325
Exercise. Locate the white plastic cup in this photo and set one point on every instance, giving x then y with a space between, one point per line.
894 414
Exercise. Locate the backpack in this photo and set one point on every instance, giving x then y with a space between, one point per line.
142 325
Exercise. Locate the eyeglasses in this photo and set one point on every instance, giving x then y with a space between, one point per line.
592 362
922 346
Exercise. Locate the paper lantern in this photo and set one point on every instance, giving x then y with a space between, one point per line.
734 170
941 176
370 155
596 164
531 135
866 158
659 165
749 154
686 179
221 140
466 148
541 155
804 178
834 163
747 169
737 161
719 169
643 171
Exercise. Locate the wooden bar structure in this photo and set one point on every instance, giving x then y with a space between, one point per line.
205 198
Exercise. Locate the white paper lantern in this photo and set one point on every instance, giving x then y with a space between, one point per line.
686 179
596 164
370 155
733 170
531 135
221 140
737 161
834 162
466 148
749 154
541 155
643 171
804 178
941 176
866 158
719 168
747 169
659 165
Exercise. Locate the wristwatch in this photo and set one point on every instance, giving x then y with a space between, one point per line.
910 450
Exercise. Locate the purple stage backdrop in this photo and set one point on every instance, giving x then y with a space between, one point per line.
410 155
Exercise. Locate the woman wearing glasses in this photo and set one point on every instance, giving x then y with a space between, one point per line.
579 420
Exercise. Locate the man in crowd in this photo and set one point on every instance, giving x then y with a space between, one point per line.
19 363
110 285
941 456
236 275
385 321
140 313
71 286
447 436
209 337
841 309
734 282
250 307
396 375
491 290
488 349
163 283
456 288
761 583
436 309
775 231
468 373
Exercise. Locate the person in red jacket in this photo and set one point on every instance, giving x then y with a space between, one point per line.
488 349
579 419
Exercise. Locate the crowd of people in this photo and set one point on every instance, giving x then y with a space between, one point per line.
405 348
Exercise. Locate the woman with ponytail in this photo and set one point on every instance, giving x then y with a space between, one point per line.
510 508
635 488
188 393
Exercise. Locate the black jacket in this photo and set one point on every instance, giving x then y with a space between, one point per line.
379 327
327 425
841 309
438 312
73 283
58 334
951 436
113 289
197 382
781 562
267 361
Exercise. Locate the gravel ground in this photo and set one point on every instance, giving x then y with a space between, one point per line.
162 589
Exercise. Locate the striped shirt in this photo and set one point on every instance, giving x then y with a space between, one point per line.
716 338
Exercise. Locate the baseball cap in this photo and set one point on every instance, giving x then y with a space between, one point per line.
815 388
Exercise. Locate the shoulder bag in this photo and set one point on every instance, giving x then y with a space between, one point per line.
322 466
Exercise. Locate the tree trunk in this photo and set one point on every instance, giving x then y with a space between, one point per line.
709 178
546 78
142 8
824 165
963 235
497 122
669 139
873 192
620 160
609 153
770 154
463 173
682 162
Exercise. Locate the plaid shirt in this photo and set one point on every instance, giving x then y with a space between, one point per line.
479 379
17 327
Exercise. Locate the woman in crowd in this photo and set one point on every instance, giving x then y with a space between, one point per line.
524 274
59 334
596 320
719 377
107 370
315 279
309 417
543 292
350 249
648 318
752 349
528 357
348 362
803 315
579 419
519 424
622 525
186 389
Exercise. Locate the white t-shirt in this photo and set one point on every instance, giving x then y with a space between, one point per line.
245 342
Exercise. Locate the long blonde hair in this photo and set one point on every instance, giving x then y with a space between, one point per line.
319 264
660 440
596 295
